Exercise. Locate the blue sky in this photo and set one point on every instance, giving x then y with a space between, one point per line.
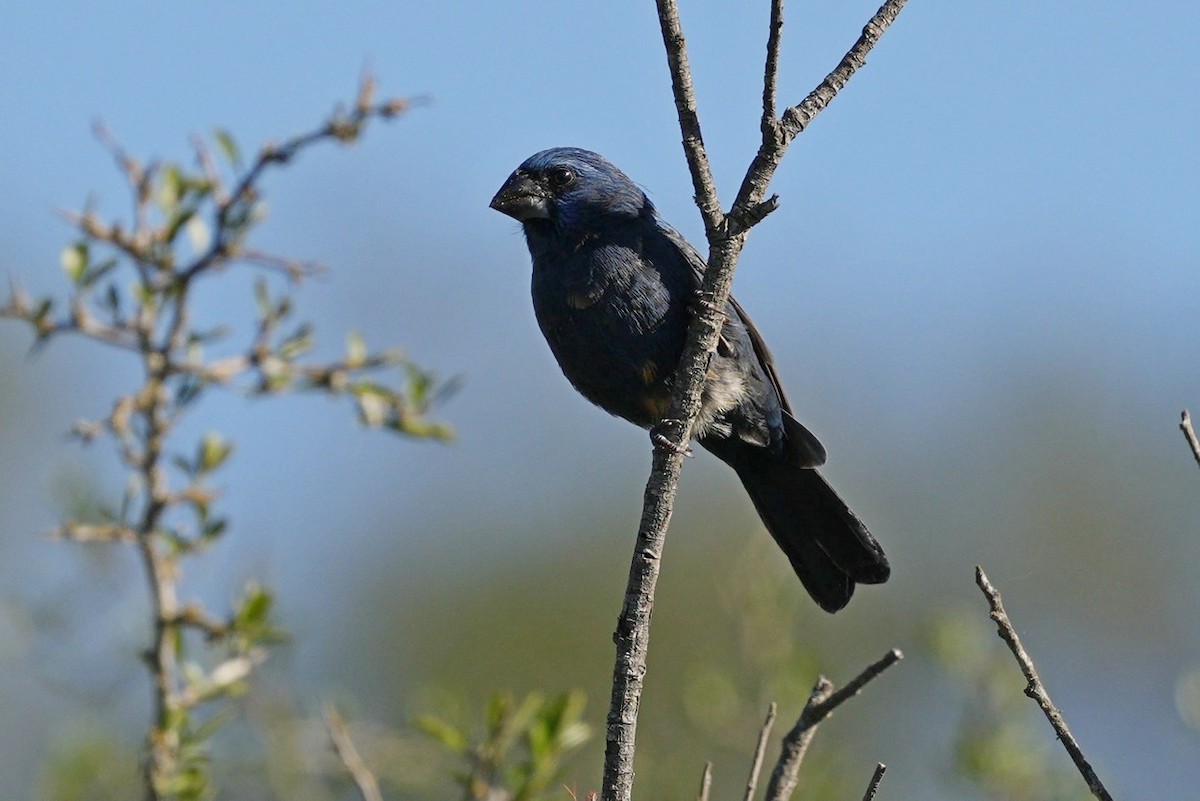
1006 191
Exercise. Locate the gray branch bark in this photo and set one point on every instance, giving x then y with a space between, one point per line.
726 234
1035 689
821 704
1189 433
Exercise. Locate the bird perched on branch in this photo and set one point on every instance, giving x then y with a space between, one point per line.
614 288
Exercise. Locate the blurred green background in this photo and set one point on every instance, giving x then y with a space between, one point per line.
982 290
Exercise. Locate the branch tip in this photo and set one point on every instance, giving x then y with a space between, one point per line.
705 782
1189 433
876 778
1034 687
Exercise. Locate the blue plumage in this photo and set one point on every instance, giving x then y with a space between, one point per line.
613 289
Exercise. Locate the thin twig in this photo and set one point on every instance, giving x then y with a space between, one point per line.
797 118
855 686
756 766
771 69
1035 689
689 118
821 703
368 787
342 126
705 782
876 778
777 137
1185 425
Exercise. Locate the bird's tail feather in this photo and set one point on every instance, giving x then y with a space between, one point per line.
828 546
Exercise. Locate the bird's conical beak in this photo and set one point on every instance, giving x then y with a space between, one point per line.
522 198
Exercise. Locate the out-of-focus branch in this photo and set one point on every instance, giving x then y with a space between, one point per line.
821 703
1185 425
364 779
705 782
876 779
726 234
759 750
342 126
1034 687
166 512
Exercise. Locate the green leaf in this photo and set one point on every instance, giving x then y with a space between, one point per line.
189 390
111 300
263 298
496 711
143 294
178 219
212 452
99 271
356 349
214 528
451 738
255 607
171 187
251 622
299 342
75 261
373 408
228 147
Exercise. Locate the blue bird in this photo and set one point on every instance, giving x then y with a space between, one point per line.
614 288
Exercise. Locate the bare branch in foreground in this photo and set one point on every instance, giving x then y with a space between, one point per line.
873 787
706 782
726 234
1035 689
821 703
368 787
756 766
1185 425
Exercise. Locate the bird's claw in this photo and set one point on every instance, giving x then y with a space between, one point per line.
662 441
700 303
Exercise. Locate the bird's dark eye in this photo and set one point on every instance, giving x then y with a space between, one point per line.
561 177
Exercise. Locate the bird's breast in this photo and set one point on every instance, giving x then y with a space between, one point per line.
616 333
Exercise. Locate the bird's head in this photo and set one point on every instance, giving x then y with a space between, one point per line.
568 188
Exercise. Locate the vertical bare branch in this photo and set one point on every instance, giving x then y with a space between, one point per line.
876 778
756 766
1035 689
771 69
364 779
1185 425
726 234
705 782
689 118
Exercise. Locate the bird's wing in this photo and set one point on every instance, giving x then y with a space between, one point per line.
698 265
807 450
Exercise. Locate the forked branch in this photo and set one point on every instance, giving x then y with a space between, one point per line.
726 234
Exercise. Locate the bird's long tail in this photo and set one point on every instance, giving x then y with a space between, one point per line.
829 547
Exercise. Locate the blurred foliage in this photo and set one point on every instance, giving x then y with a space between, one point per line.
1003 745
89 764
1187 696
518 754
132 285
